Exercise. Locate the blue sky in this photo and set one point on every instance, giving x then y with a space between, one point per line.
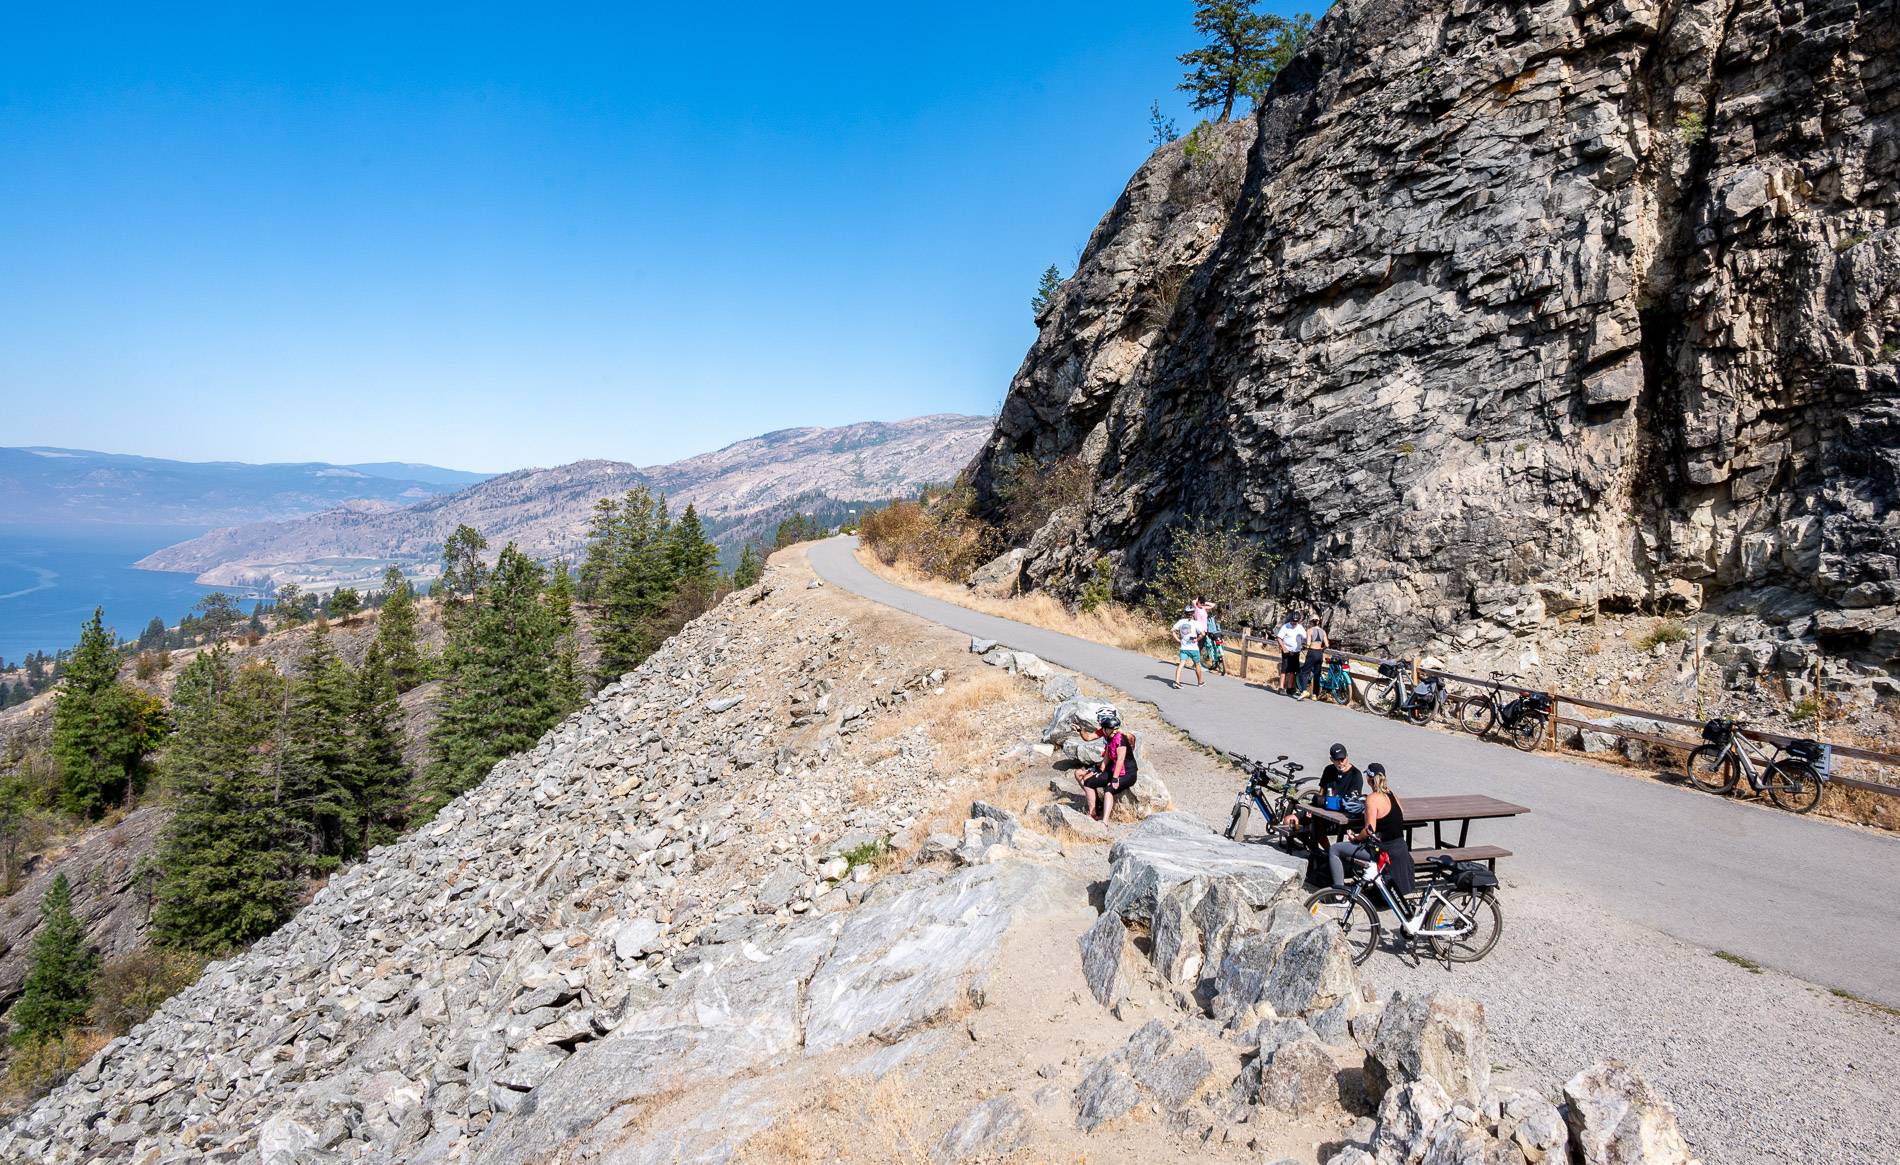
491 236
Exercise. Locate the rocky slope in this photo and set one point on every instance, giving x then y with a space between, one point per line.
673 932
41 484
1521 313
546 511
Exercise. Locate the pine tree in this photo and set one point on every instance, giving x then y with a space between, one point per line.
293 606
462 568
396 632
230 856
568 691
345 602
751 567
319 768
381 776
1245 50
153 636
1045 289
694 562
221 615
501 689
631 575
98 741
58 988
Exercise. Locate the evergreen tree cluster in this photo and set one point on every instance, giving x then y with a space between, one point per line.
58 988
508 670
274 779
644 576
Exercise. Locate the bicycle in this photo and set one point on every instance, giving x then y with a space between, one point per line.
1792 776
1456 916
1278 778
1523 718
1335 682
1213 651
1393 692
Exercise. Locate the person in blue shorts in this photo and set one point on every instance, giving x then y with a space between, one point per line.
1187 636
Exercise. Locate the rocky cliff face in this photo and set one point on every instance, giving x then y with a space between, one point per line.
1521 311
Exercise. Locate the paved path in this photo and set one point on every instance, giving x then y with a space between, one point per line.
1813 899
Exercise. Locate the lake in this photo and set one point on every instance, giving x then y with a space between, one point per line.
51 577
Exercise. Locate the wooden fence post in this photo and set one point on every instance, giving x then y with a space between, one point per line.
1246 655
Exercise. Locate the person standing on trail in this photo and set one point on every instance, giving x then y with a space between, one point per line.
1187 638
1292 636
1316 645
1198 613
1119 766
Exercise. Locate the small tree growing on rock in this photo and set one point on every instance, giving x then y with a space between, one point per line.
1216 563
58 989
1245 51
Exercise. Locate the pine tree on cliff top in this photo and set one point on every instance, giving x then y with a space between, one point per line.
1245 50
58 988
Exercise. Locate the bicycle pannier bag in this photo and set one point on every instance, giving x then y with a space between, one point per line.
1388 670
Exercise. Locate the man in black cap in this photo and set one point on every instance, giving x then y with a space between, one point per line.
1341 788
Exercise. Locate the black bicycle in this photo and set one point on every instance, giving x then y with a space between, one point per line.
1791 776
1273 790
1524 718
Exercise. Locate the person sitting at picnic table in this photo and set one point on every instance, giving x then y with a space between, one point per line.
1118 768
1384 823
1340 784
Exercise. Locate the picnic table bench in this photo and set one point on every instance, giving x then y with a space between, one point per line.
1439 813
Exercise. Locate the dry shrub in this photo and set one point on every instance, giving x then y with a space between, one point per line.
132 986
849 1120
1027 493
939 536
1110 623
37 1068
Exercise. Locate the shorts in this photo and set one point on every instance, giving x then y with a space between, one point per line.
1105 782
1289 662
1190 655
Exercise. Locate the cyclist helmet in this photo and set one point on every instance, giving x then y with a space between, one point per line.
1337 752
1108 718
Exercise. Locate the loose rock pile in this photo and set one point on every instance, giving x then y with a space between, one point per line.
1232 945
636 860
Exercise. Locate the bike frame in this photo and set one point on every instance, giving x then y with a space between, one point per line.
1413 924
1335 678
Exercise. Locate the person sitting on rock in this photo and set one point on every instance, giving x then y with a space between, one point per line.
1340 788
1117 771
1385 824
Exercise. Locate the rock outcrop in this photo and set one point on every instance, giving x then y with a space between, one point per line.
1521 311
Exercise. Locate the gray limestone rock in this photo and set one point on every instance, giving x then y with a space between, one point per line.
1103 946
1170 848
1438 1036
1106 1092
992 1129
1299 1078
1616 1118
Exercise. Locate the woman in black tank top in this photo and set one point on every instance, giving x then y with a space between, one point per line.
1385 820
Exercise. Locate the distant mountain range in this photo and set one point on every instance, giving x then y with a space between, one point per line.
40 484
741 491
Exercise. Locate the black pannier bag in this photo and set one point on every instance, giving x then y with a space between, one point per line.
1472 876
1388 670
1717 731
1537 702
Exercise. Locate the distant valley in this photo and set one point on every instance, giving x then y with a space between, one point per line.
740 491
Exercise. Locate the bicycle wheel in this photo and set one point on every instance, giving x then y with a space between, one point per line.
1711 769
1354 916
1477 714
1792 785
1381 698
1487 919
1340 693
1237 824
1527 731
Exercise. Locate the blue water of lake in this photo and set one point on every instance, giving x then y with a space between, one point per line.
51 577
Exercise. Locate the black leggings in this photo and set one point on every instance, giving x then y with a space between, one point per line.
1107 783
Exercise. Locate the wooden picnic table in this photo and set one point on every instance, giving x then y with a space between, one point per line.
1438 812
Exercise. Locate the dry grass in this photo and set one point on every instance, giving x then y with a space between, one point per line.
847 1120
1111 623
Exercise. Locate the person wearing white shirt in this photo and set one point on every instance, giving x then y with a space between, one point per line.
1292 636
1188 638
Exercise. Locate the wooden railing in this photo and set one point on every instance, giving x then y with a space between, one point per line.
1253 648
